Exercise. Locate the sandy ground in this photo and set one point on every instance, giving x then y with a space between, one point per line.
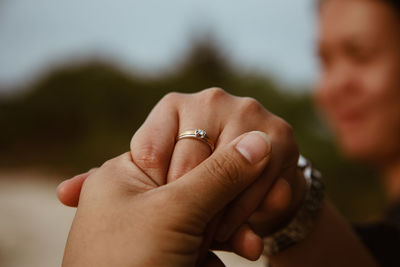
34 225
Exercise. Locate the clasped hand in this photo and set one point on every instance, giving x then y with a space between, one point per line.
166 203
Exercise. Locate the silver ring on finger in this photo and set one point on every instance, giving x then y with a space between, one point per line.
197 134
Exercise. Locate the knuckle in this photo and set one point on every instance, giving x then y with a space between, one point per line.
112 168
171 97
111 164
147 156
250 105
284 129
213 94
113 172
118 162
283 203
225 169
284 132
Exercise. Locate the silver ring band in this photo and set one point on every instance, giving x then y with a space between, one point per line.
197 134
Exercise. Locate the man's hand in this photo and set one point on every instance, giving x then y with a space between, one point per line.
125 218
263 207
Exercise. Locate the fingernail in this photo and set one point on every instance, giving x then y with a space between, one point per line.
255 146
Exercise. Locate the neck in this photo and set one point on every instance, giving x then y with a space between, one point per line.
391 177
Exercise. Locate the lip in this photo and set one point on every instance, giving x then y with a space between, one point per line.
349 118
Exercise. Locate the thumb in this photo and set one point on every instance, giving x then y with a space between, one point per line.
226 173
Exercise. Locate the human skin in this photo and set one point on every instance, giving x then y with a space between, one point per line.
359 86
224 117
333 241
125 218
359 96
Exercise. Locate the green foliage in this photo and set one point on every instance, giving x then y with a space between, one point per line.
78 116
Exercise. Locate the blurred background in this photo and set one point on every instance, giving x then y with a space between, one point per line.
77 78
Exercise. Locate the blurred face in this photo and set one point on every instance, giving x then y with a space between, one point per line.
359 85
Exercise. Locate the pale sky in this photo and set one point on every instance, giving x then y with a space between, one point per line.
274 36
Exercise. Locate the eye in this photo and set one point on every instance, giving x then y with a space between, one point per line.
324 58
358 53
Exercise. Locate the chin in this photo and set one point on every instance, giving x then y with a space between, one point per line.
358 150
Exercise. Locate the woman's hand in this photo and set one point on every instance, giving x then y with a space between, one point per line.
125 218
266 205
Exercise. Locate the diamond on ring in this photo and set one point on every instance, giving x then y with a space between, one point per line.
200 133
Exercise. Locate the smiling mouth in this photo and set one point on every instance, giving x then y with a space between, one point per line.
350 118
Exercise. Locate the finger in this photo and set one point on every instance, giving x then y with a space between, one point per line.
278 198
153 144
248 202
224 175
209 236
69 190
190 152
208 110
273 211
239 121
280 204
244 242
283 162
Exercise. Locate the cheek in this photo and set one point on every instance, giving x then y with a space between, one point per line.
383 92
381 128
387 120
